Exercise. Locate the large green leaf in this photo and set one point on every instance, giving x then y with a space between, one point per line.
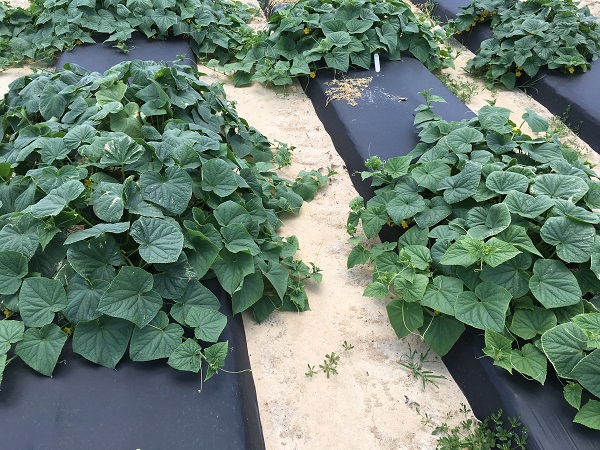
195 294
503 182
565 346
405 206
39 299
13 267
485 308
237 239
513 275
464 252
83 297
412 290
52 101
553 284
526 205
435 211
158 339
41 347
572 211
497 251
567 187
95 259
573 239
215 358
517 235
161 240
441 294
497 219
587 372
441 333
430 173
498 347
529 323
57 199
461 139
188 356
462 185
107 201
531 362
252 290
11 332
232 268
218 177
405 317
373 218
208 323
171 190
572 393
102 341
97 230
130 297
172 279
121 150
589 415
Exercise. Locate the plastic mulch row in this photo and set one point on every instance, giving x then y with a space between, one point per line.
140 405
382 124
576 98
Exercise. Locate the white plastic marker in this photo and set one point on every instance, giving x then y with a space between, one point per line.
376 59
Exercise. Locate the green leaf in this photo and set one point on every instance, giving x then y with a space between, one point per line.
531 362
376 289
94 259
461 186
172 191
503 182
397 166
441 333
517 236
237 239
420 256
553 284
187 356
158 339
464 252
435 211
107 201
589 415
127 120
11 332
572 393
339 38
57 199
41 347
496 220
430 174
39 299
109 94
208 323
513 275
218 177
497 252
587 372
130 297
404 206
13 267
52 101
172 279
97 230
195 294
441 294
373 218
536 122
405 317
121 150
215 358
498 347
232 268
565 346
494 118
573 239
161 240
102 341
411 290
485 308
461 139
83 298
590 324
567 187
414 236
251 291
570 210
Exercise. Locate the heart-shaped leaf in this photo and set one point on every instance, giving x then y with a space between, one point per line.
485 308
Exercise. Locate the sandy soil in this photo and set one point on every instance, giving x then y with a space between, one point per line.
372 402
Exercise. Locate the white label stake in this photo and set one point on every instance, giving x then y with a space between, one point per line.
376 59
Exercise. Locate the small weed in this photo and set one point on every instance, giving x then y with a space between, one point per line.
283 154
470 434
463 89
415 365
311 371
347 346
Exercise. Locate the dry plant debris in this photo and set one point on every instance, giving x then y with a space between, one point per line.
349 89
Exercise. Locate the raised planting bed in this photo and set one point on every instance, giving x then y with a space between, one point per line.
381 123
573 97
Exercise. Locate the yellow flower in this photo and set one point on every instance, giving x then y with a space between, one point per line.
458 32
313 74
516 129
518 73
188 20
78 42
571 70
87 183
468 29
68 331
404 224
306 30
7 313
